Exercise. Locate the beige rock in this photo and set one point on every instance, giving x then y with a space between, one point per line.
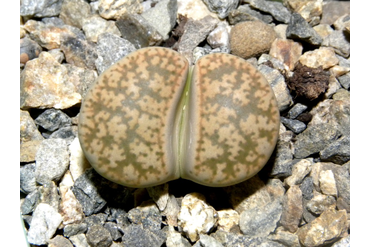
44 84
251 38
327 183
287 51
292 209
28 129
281 30
333 87
338 71
171 211
194 9
28 150
323 56
196 216
325 229
109 9
299 171
310 10
77 161
70 208
323 30
48 35
319 203
227 219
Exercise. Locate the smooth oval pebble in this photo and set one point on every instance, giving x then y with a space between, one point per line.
149 119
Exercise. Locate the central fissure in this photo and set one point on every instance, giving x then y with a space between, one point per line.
182 124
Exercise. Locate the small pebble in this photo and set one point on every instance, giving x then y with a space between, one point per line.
296 110
115 9
222 8
75 12
259 39
323 56
294 125
298 28
287 51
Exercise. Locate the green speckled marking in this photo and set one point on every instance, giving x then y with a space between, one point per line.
236 121
144 122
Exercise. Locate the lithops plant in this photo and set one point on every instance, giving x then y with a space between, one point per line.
151 118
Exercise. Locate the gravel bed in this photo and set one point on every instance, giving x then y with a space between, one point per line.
300 198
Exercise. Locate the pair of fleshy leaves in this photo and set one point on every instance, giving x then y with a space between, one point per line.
150 119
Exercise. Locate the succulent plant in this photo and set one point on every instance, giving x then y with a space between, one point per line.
151 118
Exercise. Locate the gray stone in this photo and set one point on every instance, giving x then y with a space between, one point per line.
57 54
110 49
296 110
67 133
30 202
222 8
29 50
294 125
260 222
344 62
205 240
136 235
45 221
87 194
74 229
138 31
40 8
332 10
298 28
96 219
283 161
276 9
307 188
27 178
337 152
339 41
52 159
79 52
285 238
98 236
148 219
314 139
53 119
113 230
175 239
89 188
75 12
195 32
28 129
79 240
331 119
246 13
277 82
162 16
95 26
345 80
